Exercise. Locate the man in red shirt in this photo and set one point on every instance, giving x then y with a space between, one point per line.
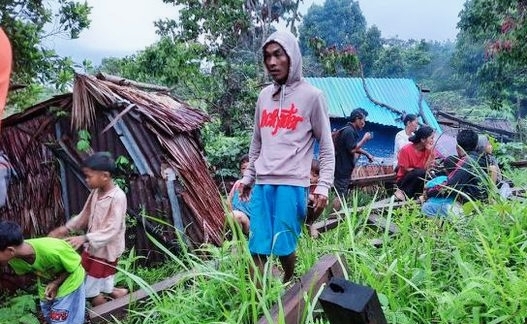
5 68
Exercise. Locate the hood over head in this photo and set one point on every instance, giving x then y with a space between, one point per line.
290 45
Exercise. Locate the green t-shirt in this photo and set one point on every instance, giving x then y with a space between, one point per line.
52 257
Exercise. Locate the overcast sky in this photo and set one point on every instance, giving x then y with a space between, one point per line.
122 27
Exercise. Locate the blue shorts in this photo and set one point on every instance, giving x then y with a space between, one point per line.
243 206
69 309
278 214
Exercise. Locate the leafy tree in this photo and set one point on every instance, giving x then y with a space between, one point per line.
334 61
339 23
211 56
391 63
233 32
370 49
439 74
491 43
26 22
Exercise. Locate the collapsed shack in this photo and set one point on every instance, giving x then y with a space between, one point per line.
167 177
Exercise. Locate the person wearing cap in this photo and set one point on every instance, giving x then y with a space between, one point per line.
347 147
401 138
103 221
5 69
413 161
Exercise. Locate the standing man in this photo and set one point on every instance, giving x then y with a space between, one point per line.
347 147
290 115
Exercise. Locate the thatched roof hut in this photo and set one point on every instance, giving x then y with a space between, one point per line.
167 177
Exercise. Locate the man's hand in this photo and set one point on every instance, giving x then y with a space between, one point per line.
370 158
59 232
367 136
320 202
244 191
51 291
77 241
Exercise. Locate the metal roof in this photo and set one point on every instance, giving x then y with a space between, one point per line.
345 94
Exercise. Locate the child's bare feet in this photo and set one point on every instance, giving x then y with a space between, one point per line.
399 195
98 300
313 232
118 292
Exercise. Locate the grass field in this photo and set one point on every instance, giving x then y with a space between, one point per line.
469 269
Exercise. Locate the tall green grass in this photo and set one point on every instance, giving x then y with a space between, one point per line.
469 269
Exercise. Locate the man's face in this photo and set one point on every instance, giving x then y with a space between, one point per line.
276 62
413 125
360 123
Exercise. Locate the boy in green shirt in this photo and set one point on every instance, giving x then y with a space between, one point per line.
60 276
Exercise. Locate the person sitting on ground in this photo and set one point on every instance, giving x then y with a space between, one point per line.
103 220
60 276
440 206
241 210
414 160
487 159
489 163
311 214
347 146
401 138
466 181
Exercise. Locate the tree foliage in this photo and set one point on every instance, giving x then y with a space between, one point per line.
339 42
491 49
210 55
339 23
28 24
232 39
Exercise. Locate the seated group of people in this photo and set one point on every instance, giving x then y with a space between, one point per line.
442 183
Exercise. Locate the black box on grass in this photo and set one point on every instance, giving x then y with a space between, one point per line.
345 302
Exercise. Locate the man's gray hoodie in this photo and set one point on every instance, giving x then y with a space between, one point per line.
287 120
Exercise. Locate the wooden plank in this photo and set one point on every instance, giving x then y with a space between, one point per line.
293 302
118 308
518 191
374 218
519 164
369 180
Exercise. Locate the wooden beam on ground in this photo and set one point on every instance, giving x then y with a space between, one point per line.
518 192
374 218
519 164
370 180
118 308
293 302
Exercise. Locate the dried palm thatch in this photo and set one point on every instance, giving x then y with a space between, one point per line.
159 121
172 123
